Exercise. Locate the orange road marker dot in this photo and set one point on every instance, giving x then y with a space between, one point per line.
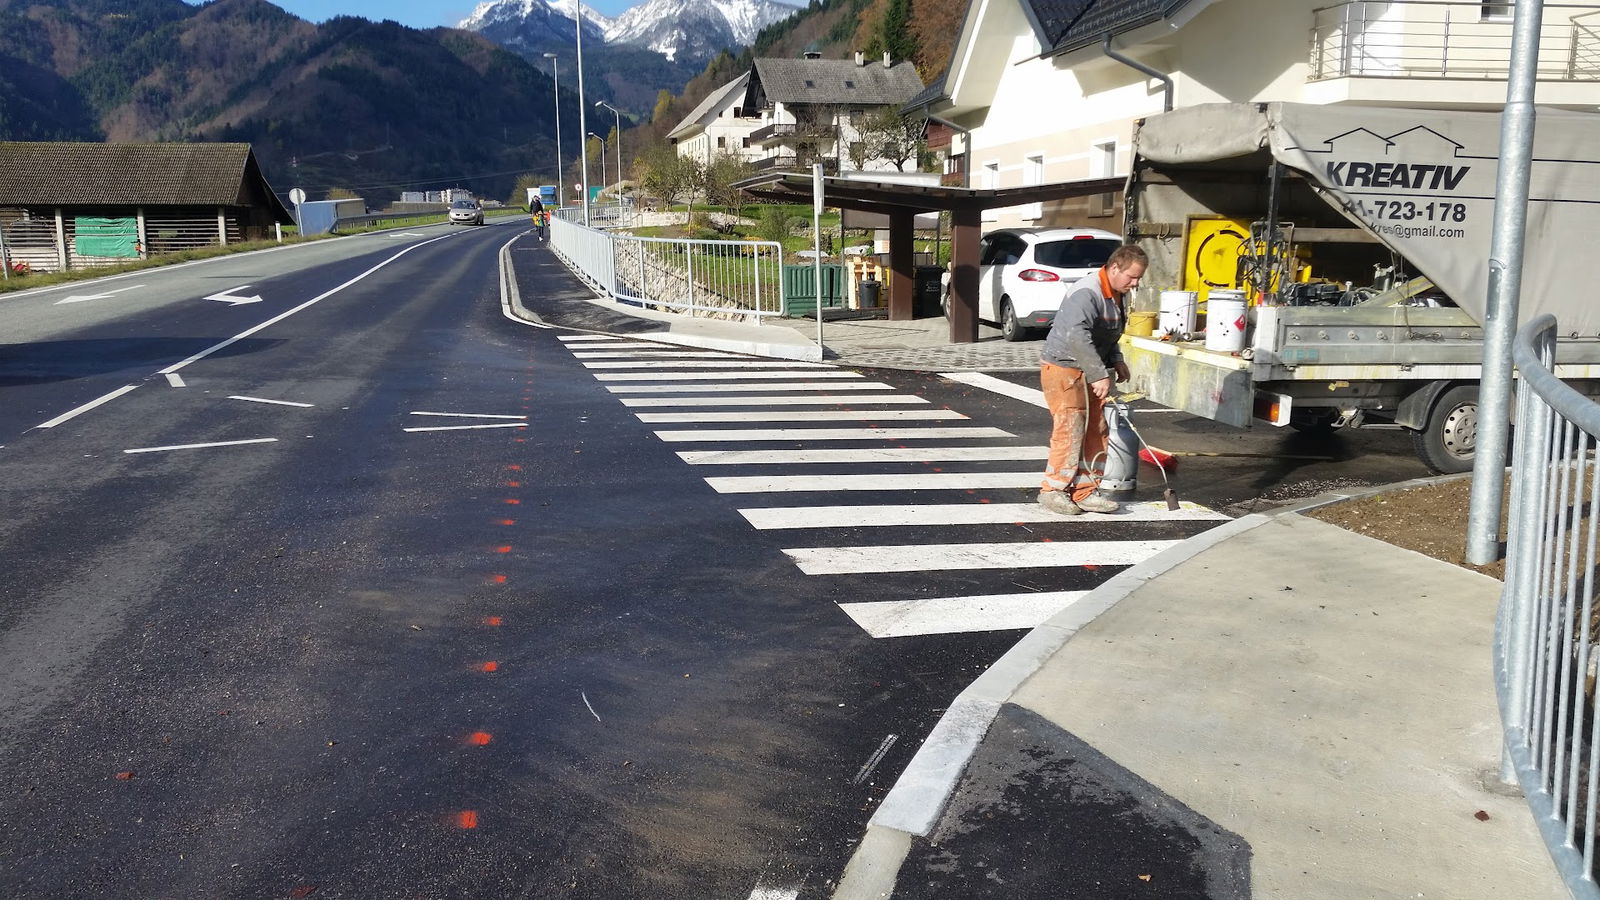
493 621
490 666
504 549
479 738
514 468
511 484
467 818
505 521
511 501
497 579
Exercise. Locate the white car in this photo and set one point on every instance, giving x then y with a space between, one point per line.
1023 273
466 212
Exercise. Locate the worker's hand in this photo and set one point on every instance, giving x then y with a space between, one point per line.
1122 372
1101 388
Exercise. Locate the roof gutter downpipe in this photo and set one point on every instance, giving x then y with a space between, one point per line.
1166 80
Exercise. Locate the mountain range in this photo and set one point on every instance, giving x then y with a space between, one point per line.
691 31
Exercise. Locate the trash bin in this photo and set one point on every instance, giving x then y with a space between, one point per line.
928 293
868 292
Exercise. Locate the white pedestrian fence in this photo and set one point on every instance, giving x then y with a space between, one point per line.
718 279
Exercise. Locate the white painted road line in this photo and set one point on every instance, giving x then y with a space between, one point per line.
273 402
918 481
201 446
468 415
999 386
731 387
615 344
860 455
652 354
469 427
811 400
704 364
831 434
964 514
825 415
175 380
68 415
956 615
587 337
763 892
709 376
947 557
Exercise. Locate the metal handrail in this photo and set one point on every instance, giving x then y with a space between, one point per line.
1448 39
740 279
1545 650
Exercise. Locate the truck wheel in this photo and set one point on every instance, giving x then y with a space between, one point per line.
1447 443
1010 328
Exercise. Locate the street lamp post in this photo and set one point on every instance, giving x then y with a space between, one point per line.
616 147
555 72
602 158
583 120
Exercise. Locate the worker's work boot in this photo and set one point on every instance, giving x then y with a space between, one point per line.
1058 502
1098 504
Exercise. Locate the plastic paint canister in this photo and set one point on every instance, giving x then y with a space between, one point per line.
1142 324
1226 321
1178 312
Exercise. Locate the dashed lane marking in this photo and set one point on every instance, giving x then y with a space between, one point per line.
468 415
469 427
201 446
271 402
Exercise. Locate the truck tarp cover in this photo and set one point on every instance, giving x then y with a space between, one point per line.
1424 181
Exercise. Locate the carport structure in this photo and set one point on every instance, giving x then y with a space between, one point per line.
902 202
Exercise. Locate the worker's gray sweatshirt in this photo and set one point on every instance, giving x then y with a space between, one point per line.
1086 329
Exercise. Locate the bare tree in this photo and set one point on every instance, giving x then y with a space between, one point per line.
664 174
885 134
720 175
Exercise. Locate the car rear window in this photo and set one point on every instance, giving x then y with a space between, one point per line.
1083 253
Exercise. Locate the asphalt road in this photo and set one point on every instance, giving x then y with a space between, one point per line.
315 652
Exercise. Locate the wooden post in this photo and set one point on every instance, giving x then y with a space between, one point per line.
144 239
61 241
903 280
222 226
965 234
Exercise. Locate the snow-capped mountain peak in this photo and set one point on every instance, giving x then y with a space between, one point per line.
677 29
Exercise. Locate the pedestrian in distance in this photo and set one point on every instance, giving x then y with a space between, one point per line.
540 217
1080 358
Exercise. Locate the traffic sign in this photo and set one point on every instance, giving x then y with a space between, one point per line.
297 196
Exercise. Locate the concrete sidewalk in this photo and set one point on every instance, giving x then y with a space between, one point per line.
1275 708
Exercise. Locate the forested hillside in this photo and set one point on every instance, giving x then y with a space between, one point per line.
373 107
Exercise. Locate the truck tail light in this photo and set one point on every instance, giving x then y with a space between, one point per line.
1038 275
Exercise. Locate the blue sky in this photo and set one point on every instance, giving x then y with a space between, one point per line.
416 13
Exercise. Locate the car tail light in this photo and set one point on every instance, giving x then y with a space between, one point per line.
1038 275
1083 237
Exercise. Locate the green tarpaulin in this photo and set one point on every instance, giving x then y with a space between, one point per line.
106 237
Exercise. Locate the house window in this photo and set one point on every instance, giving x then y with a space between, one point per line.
1033 174
849 84
722 143
810 83
855 117
1103 162
991 181
1496 12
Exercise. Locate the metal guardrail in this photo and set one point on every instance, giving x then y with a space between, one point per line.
1545 651
1448 39
736 279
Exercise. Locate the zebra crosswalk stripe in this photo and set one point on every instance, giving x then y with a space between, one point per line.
916 515
946 557
920 481
710 376
831 434
956 615
733 387
702 364
860 455
827 415
790 400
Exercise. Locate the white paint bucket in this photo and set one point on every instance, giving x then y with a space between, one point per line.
1226 321
1177 312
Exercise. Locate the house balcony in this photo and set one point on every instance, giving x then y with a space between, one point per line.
783 134
1449 39
792 163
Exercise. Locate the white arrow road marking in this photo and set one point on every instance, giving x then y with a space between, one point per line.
79 298
469 427
88 406
228 297
468 415
273 402
955 615
201 446
405 234
945 557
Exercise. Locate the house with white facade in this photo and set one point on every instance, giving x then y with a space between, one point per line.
718 126
813 109
1045 91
